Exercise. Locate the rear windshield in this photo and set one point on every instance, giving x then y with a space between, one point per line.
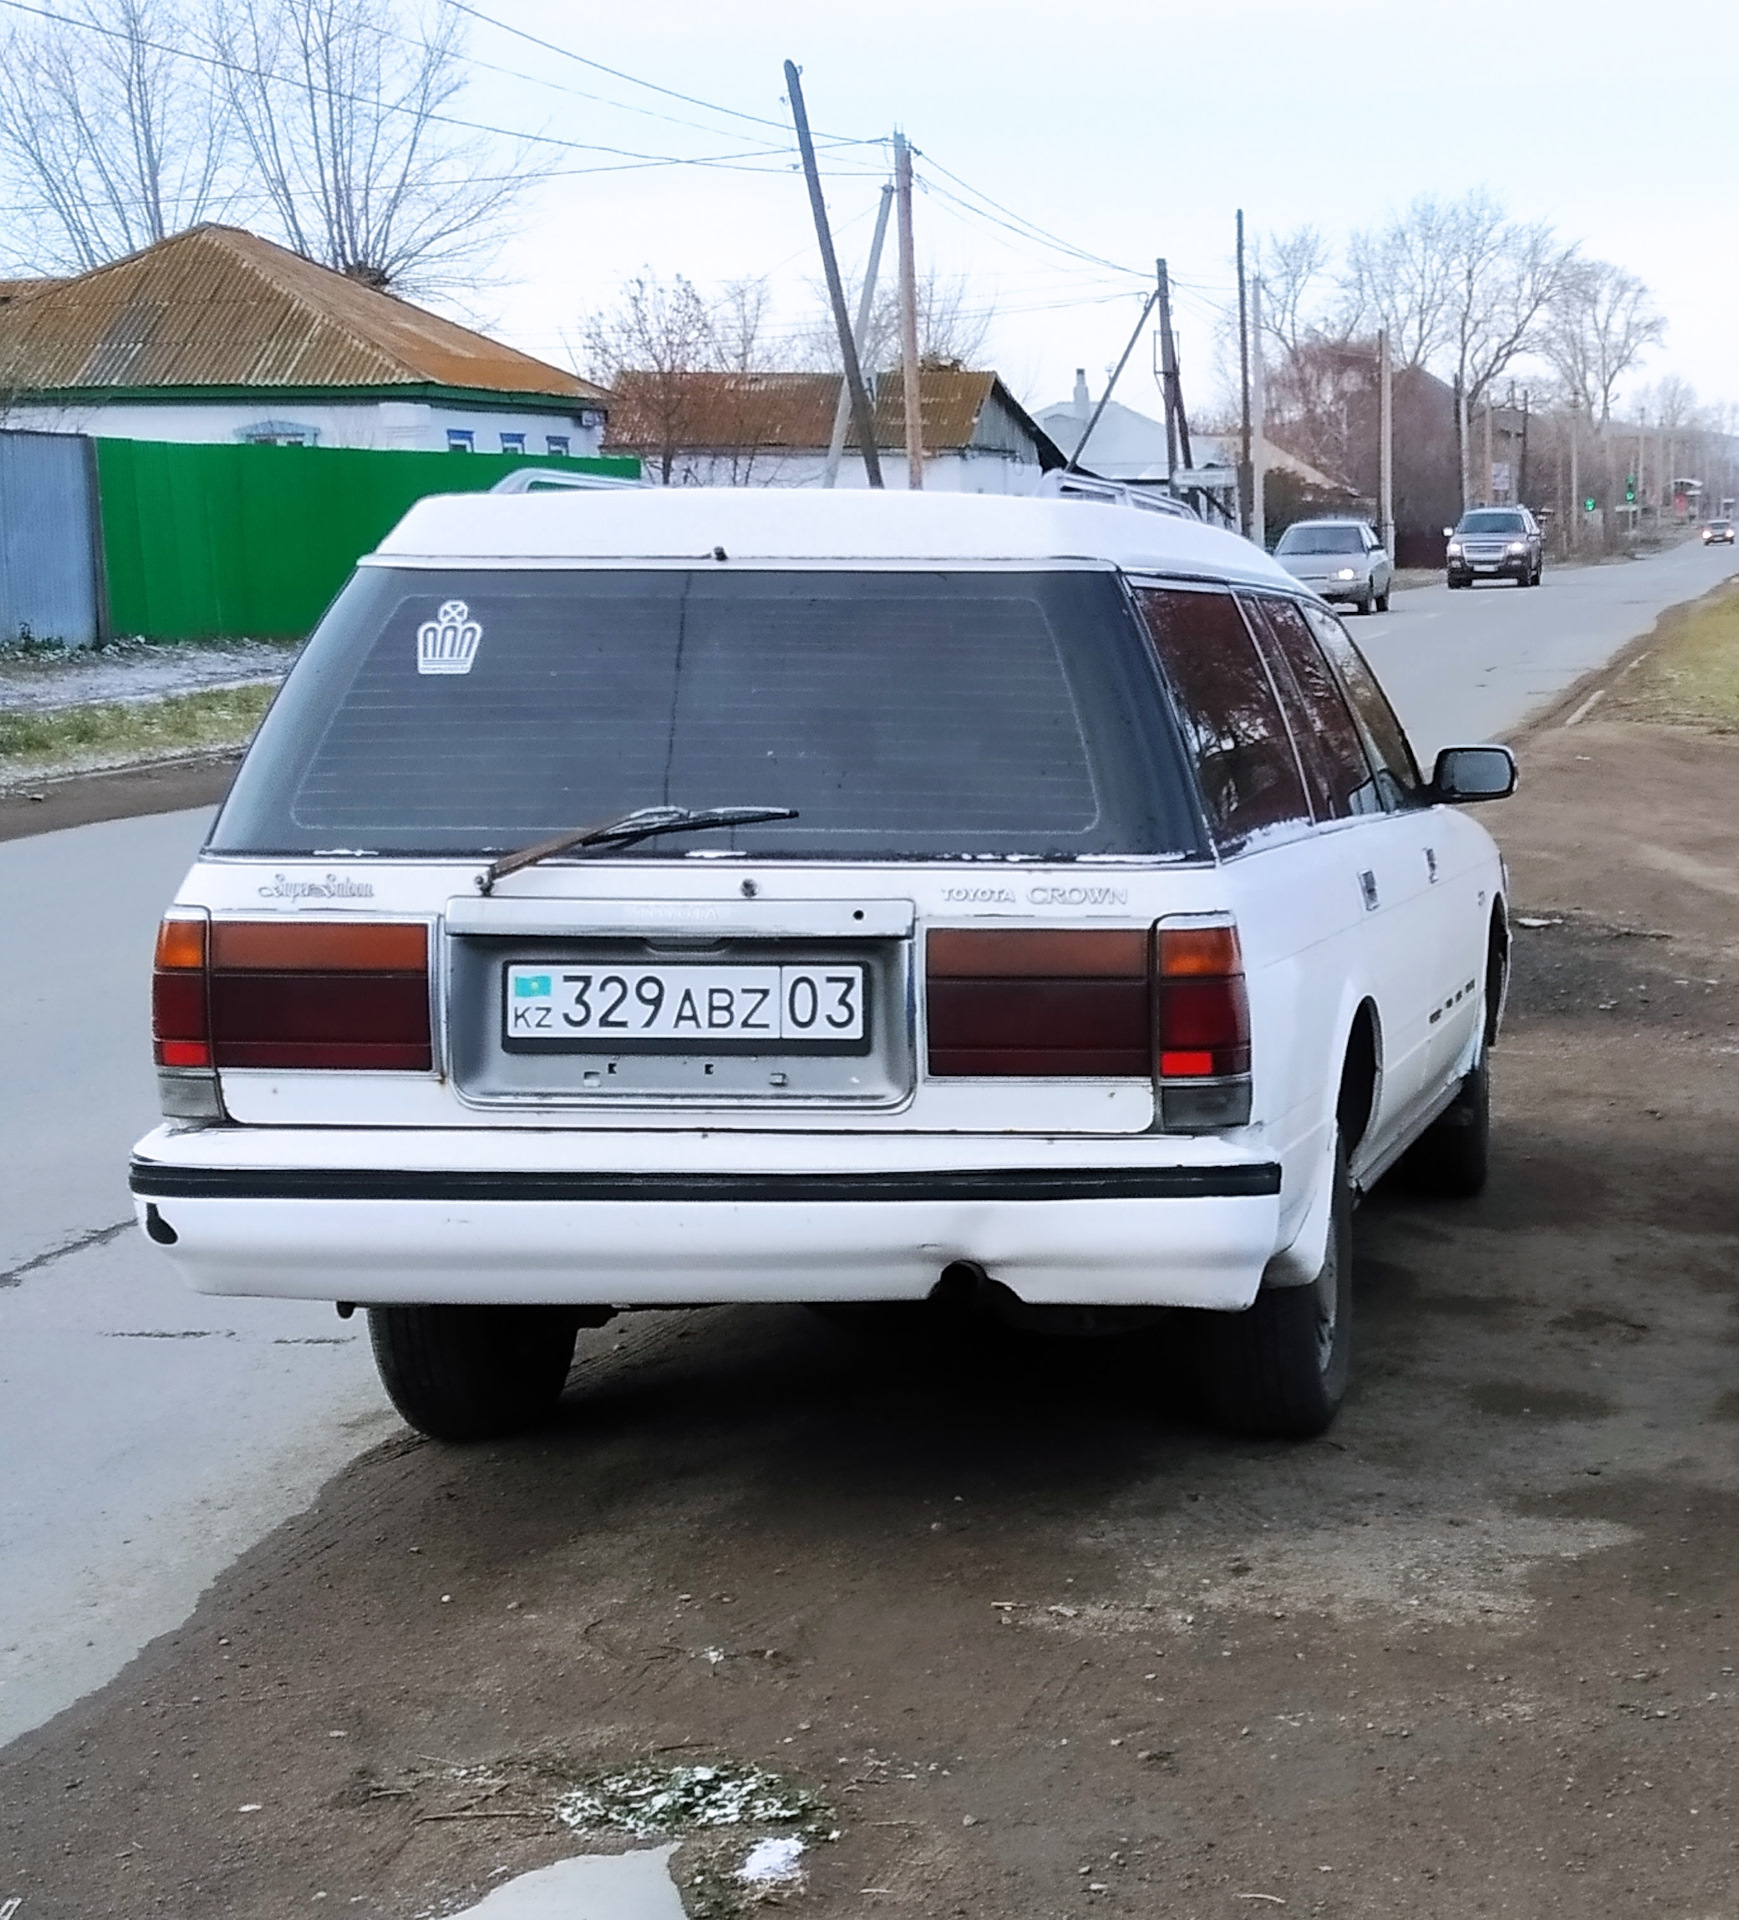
1321 540
1491 523
903 715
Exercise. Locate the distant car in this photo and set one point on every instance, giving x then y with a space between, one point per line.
1340 559
1718 532
1495 543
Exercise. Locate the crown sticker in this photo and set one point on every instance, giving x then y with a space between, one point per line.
448 643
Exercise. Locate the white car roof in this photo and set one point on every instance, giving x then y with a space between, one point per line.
782 526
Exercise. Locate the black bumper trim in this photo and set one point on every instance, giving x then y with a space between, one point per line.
152 1181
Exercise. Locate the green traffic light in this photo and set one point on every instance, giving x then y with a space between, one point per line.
1588 504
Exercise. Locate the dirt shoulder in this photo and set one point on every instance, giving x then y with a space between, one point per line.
1030 1637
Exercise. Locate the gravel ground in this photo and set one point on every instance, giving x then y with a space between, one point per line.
33 680
1008 1618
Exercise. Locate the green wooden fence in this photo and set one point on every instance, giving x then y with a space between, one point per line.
204 542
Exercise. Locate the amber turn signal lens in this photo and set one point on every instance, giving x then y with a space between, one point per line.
1202 952
181 944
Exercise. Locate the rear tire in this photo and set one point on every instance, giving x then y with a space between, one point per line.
1452 1157
473 1373
1383 601
1280 1368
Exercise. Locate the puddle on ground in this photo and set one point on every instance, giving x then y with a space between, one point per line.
591 1886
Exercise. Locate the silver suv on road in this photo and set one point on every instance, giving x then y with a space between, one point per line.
1340 559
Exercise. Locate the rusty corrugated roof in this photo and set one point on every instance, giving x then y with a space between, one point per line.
724 412
219 307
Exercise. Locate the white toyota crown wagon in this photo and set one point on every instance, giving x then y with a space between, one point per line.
648 899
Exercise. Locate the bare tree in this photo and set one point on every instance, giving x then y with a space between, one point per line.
111 137
1292 266
1401 277
1602 320
1505 276
647 350
341 105
951 331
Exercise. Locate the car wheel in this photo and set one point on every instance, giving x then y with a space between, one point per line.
473 1373
1452 1157
1280 1368
1383 601
1367 603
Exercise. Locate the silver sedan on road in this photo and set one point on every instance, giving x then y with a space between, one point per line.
1340 559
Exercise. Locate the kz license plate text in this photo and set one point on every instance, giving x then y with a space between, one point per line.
625 1007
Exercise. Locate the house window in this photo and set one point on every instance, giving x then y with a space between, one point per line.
557 443
277 433
461 440
513 443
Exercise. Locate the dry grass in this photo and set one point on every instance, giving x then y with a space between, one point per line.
125 733
1690 676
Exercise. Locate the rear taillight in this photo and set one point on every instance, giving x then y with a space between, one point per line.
1201 1035
1037 1003
1169 1003
180 1018
293 994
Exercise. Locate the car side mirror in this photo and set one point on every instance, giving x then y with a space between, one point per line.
1463 774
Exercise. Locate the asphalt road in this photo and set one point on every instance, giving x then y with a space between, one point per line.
1470 666
147 1435
150 1436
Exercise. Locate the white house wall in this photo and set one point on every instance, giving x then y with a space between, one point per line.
394 425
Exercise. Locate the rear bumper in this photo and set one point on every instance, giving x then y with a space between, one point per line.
1193 1234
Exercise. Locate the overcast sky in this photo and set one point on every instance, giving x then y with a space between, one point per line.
1127 131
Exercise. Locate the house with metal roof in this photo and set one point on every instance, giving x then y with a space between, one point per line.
218 335
773 430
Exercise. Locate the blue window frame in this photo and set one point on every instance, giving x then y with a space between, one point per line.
461 440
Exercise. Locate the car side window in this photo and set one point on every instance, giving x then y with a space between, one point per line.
1386 738
1231 716
1328 737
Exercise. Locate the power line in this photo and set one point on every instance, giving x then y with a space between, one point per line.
222 64
1031 228
616 73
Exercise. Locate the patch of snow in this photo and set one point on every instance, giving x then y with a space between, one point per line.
773 1862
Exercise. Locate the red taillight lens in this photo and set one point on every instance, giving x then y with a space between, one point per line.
263 993
320 994
1036 1003
1203 1026
180 1020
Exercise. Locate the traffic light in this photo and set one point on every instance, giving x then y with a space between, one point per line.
1588 504
1630 486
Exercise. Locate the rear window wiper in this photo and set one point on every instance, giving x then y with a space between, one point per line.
642 824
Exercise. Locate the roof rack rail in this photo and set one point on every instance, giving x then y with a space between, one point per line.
1112 493
535 479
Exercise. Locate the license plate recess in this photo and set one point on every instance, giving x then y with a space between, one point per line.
734 1045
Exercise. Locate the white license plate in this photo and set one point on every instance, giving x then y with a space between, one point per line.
636 1009
1485 566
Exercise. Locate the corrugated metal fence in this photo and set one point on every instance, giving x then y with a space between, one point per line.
231 541
50 568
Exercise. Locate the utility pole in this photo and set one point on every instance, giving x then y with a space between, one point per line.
1168 371
1243 386
911 372
1117 374
1574 529
1385 444
865 306
1486 488
1258 423
1461 437
1522 472
860 405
